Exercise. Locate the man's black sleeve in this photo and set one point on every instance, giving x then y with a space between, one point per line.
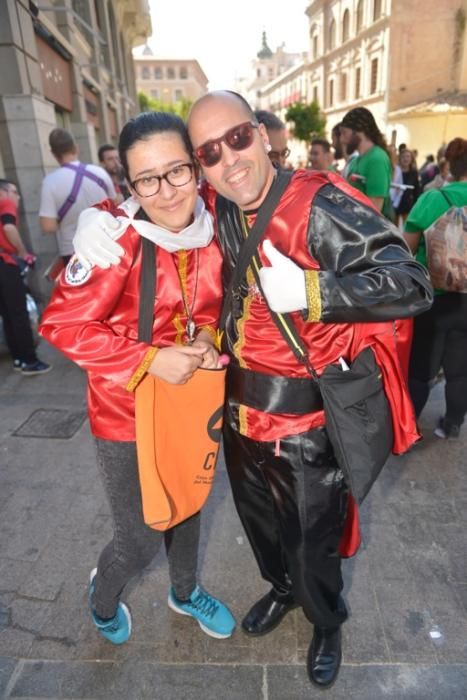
367 271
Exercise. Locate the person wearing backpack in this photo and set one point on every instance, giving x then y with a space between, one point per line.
68 190
440 334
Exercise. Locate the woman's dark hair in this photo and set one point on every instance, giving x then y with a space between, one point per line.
146 124
456 155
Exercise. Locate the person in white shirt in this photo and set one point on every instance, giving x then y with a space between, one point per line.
74 186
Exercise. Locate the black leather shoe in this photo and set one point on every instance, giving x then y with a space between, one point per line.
267 613
324 656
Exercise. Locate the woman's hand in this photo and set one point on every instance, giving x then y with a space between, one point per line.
210 356
177 363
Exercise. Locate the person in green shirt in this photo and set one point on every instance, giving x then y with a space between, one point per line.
440 334
371 171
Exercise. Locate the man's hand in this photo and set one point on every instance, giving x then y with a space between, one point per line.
283 283
94 242
177 363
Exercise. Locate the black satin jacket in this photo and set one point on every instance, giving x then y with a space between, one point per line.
366 271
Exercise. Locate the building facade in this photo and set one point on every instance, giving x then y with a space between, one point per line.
66 63
266 68
405 61
169 80
277 96
348 56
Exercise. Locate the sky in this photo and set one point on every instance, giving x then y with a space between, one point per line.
225 35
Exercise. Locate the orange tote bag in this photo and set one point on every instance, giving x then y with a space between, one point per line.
178 432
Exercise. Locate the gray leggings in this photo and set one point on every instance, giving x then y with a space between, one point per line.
134 544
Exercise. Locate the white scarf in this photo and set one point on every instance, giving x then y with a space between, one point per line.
197 235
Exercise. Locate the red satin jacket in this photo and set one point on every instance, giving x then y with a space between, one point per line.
93 319
355 287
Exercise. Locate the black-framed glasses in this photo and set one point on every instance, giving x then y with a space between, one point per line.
238 138
149 185
278 155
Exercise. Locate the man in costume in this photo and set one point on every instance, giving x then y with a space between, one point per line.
336 262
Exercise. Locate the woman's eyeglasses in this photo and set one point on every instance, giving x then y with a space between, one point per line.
149 185
238 138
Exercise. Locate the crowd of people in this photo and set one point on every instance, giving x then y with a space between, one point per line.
415 199
65 193
199 194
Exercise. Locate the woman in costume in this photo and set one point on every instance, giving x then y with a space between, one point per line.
93 318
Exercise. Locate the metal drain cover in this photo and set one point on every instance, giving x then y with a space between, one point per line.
51 423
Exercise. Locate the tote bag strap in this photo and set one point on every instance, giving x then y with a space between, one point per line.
147 291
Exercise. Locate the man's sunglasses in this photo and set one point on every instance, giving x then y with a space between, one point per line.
238 138
277 155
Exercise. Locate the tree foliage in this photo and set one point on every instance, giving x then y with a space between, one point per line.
307 121
149 104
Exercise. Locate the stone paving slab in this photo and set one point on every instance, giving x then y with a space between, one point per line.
142 680
7 666
107 681
389 682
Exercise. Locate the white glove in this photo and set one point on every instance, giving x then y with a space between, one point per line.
283 283
95 238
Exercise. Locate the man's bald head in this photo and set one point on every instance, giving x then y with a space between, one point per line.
220 96
223 123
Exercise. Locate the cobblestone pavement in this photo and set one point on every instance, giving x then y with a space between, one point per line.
407 588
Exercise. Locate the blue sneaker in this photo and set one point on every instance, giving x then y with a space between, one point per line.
116 630
213 617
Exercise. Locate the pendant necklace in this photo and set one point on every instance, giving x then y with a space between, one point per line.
190 328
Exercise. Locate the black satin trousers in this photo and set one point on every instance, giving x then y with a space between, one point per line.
292 499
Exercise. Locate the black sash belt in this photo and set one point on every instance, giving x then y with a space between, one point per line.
273 394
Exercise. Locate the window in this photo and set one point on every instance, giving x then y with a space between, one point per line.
343 87
331 93
345 26
376 10
178 95
374 76
183 73
258 72
314 41
115 45
170 73
158 73
270 73
98 11
359 16
155 94
315 93
314 45
358 82
145 73
332 35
